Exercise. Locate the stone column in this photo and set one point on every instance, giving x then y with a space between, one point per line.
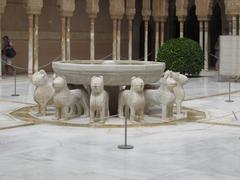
35 41
206 45
145 40
66 9
234 25
114 45
130 12
162 32
156 39
30 45
118 39
159 13
116 10
92 39
92 9
229 19
146 13
2 8
63 38
68 37
201 25
33 8
130 40
181 21
181 13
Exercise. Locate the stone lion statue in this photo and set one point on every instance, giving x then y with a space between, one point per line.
133 99
163 96
99 100
43 92
69 103
178 90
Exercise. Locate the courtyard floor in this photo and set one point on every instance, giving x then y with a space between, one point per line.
207 149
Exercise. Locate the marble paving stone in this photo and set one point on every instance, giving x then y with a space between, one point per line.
171 152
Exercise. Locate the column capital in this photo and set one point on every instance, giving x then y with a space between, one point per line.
181 18
116 8
232 7
146 10
34 7
203 18
66 7
130 9
92 8
3 4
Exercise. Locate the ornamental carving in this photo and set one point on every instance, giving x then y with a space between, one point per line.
160 9
34 6
92 8
2 6
117 8
146 10
66 7
130 9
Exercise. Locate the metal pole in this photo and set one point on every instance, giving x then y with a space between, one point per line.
125 146
15 82
229 93
235 116
1 46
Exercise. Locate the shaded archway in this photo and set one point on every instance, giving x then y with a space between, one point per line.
172 25
191 29
215 25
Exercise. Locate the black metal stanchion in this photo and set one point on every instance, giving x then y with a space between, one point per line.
229 93
15 83
126 146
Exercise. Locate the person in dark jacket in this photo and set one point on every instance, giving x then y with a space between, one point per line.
6 44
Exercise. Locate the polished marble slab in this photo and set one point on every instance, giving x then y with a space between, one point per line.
190 151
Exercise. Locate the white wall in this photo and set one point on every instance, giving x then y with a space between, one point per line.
229 56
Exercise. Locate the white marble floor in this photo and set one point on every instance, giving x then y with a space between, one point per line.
186 151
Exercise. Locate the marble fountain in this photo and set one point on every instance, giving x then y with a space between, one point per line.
114 75
115 72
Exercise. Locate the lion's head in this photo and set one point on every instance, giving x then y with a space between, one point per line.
40 78
137 84
59 83
97 84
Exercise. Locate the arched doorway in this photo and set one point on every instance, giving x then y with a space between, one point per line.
191 29
215 25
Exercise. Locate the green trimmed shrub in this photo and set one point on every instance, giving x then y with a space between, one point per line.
182 55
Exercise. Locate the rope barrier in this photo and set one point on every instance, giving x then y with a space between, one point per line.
23 68
103 58
141 58
54 60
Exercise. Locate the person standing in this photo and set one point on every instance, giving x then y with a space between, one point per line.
8 53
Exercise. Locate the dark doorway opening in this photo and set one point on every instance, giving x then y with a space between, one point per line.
191 29
215 31
172 25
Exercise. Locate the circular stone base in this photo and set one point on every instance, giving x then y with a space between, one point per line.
29 114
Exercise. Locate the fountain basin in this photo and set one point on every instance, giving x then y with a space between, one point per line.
115 73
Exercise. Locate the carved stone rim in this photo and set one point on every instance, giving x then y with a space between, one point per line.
25 114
